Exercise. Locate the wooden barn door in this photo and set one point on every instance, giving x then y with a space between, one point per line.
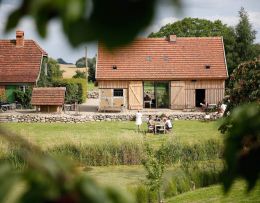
177 94
135 95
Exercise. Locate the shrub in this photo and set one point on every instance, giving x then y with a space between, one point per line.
24 98
76 89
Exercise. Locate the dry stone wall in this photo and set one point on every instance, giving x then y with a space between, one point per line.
64 118
93 95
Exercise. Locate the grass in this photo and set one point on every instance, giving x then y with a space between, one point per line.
48 135
117 143
215 194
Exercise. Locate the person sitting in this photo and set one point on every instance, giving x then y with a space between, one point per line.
157 118
204 105
150 124
168 124
147 98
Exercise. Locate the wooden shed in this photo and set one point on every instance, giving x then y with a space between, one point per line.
48 99
173 72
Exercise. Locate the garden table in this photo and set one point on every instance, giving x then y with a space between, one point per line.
159 126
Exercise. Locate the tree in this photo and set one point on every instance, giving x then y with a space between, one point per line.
244 85
79 74
80 63
61 61
195 27
52 68
245 36
242 126
154 165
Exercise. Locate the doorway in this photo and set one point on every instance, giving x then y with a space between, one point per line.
156 94
200 97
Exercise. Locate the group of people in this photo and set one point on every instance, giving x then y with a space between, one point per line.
166 121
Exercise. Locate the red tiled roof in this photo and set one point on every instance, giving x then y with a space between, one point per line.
20 64
159 59
48 96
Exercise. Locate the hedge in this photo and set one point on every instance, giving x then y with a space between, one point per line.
76 89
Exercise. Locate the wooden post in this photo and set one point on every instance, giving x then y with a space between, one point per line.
86 58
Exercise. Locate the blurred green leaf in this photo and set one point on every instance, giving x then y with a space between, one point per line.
47 179
242 145
114 22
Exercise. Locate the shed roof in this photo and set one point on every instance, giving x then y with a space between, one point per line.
48 96
161 59
20 64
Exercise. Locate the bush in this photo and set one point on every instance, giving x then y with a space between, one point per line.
23 98
76 89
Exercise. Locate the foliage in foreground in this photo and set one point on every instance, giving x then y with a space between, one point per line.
60 181
111 22
242 145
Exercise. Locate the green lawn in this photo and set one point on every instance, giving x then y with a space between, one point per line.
215 194
46 134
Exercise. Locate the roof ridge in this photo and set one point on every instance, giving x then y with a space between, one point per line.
164 38
39 47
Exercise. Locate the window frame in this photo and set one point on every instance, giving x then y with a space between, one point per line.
118 90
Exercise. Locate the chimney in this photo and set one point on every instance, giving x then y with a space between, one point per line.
19 38
172 38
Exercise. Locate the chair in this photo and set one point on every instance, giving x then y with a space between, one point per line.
150 128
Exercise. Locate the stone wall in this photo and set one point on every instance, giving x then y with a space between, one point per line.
93 94
64 118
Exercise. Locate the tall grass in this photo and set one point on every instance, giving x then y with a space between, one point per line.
182 179
126 153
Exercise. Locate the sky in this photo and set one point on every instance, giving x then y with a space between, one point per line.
57 46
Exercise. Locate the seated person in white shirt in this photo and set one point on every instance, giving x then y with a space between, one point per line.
168 124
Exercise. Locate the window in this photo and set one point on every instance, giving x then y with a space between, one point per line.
23 88
114 67
207 66
118 93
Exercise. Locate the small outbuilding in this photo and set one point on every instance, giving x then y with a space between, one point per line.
48 99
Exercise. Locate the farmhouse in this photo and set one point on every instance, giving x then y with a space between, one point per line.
173 72
20 64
